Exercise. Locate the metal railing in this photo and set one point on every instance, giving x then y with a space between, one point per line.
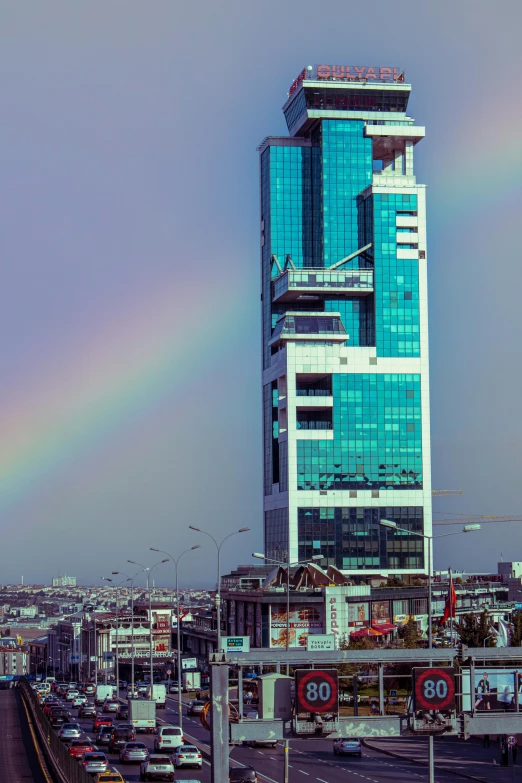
66 768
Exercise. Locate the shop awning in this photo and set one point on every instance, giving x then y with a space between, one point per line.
385 628
364 632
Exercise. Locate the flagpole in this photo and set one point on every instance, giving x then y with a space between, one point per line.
451 607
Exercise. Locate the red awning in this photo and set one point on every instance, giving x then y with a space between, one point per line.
385 627
364 632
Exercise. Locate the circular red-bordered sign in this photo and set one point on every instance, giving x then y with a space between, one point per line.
434 688
511 740
316 690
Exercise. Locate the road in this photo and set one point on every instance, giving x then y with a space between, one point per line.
18 758
309 758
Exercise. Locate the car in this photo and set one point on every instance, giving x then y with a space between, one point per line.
78 748
142 687
118 739
157 767
71 695
134 752
195 707
123 712
58 717
95 762
78 701
50 705
111 705
89 689
87 711
187 756
101 720
242 775
174 687
104 735
168 738
69 731
350 746
110 776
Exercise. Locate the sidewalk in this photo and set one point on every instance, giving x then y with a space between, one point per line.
464 758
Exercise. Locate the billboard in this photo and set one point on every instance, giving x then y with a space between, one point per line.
380 612
492 689
358 615
304 620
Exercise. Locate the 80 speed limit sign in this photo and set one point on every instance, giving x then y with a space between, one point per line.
434 688
316 690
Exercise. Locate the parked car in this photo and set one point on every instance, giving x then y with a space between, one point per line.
69 731
87 711
78 748
242 775
134 752
104 735
187 756
195 707
95 762
119 738
157 767
347 747
168 738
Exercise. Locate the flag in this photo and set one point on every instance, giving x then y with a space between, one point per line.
450 609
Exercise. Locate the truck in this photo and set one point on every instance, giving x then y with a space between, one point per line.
103 692
142 714
191 681
158 693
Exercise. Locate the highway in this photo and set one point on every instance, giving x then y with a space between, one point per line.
18 757
309 758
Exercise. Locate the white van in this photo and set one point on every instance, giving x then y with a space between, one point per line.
160 694
168 738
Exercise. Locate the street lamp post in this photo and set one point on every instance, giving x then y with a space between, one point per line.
117 668
288 566
149 571
466 529
218 586
175 560
132 623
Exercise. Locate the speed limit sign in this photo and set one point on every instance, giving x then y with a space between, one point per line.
434 688
316 690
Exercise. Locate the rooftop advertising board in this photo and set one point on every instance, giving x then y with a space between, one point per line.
348 73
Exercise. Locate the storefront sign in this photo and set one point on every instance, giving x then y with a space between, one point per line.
304 620
358 615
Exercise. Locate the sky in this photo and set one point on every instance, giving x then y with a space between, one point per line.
129 239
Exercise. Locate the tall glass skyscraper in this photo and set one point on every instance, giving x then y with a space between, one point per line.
345 325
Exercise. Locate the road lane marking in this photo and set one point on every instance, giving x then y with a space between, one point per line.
303 772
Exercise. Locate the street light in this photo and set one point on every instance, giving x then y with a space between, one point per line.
132 623
466 529
218 586
117 667
149 570
175 560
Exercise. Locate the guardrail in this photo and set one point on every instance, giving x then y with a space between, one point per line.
66 769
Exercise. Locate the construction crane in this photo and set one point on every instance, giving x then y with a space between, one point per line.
446 492
476 518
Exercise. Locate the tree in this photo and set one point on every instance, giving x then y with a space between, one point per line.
458 580
474 631
395 581
409 633
516 630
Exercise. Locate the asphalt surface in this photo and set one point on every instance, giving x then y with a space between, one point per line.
18 758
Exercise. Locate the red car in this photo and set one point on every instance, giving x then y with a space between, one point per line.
101 720
78 748
49 706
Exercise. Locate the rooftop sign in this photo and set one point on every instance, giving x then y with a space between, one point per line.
348 73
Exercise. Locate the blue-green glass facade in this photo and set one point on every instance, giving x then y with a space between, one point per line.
377 441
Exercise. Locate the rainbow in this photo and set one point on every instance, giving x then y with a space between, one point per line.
132 364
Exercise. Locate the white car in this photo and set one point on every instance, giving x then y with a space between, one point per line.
78 701
71 695
70 731
157 767
187 756
168 738
174 687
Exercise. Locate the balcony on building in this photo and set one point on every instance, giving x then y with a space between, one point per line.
313 385
393 153
299 284
309 327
